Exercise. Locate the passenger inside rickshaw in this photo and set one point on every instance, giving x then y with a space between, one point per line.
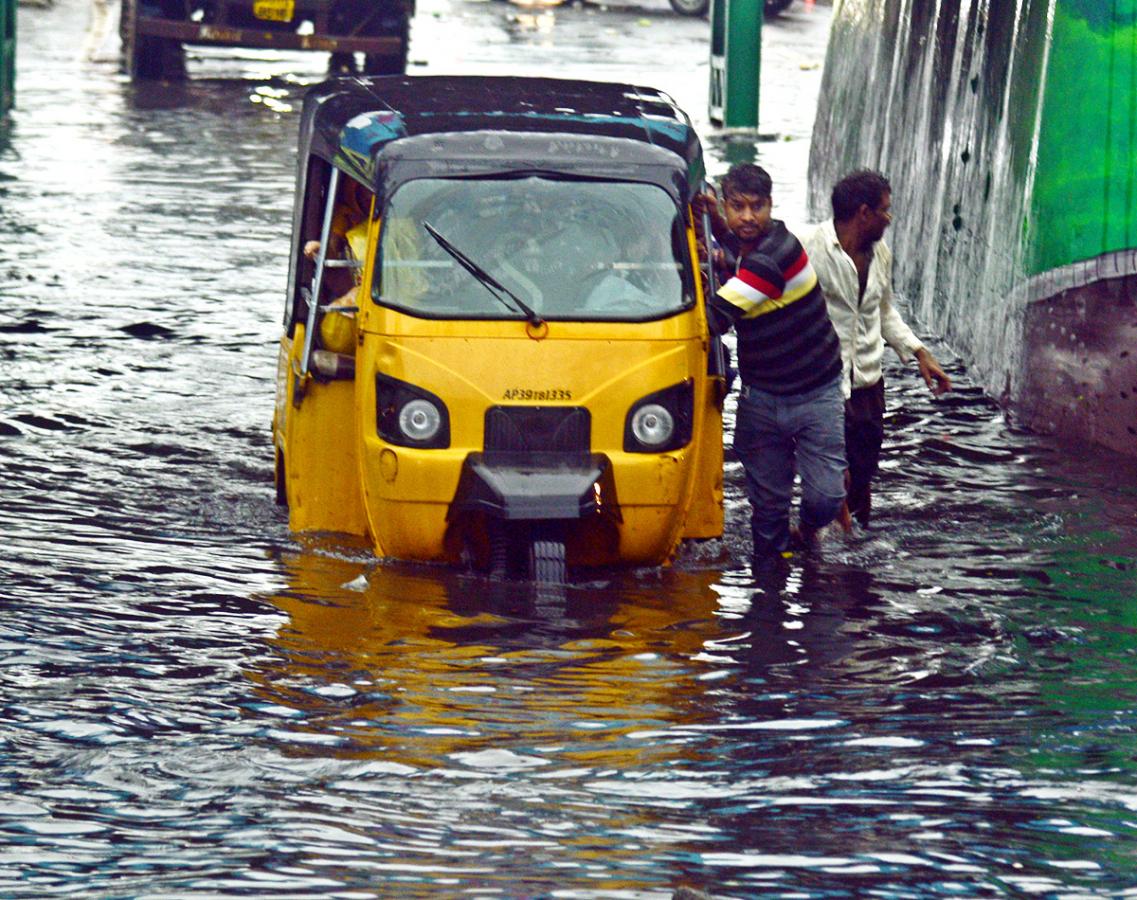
568 249
347 244
635 278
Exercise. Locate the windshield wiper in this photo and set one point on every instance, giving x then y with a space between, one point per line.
485 278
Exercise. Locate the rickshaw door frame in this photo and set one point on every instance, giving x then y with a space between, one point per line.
718 352
312 294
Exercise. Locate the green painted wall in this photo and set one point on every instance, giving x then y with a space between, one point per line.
1085 193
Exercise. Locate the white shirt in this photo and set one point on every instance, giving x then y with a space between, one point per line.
865 327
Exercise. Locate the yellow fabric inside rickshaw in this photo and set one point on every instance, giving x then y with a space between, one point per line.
338 327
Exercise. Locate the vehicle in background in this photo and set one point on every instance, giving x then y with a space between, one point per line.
154 32
701 7
496 350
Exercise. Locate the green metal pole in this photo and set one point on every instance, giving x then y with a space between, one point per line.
743 64
7 55
715 99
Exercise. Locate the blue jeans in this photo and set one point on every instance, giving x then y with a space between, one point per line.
776 434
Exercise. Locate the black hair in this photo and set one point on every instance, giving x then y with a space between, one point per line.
863 186
747 178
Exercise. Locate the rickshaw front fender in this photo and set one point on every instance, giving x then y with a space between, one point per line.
535 490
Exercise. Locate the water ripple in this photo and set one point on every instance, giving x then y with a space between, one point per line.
195 703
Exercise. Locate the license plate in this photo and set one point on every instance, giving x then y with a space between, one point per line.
274 10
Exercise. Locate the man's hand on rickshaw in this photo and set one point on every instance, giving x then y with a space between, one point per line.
706 203
311 249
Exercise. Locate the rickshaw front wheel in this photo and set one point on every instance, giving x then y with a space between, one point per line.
547 561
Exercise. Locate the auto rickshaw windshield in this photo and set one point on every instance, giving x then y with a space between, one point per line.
567 249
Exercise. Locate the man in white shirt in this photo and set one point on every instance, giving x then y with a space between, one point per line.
854 267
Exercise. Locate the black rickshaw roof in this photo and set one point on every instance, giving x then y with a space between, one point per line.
359 123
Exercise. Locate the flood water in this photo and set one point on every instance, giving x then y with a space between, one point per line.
196 703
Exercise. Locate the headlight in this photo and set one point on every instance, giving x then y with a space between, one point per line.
652 425
420 420
661 421
408 416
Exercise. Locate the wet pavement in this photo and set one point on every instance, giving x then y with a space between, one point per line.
195 703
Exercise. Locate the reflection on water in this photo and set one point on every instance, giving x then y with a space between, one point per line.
197 704
445 666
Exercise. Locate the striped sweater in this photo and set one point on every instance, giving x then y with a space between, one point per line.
786 343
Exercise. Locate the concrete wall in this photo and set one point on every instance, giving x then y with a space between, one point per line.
1008 129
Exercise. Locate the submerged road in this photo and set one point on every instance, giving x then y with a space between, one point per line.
196 703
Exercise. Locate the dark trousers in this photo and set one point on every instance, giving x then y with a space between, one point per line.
774 434
864 433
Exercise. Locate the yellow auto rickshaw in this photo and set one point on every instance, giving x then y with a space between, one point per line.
496 350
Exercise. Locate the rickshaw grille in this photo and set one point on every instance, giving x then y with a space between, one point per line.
538 429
